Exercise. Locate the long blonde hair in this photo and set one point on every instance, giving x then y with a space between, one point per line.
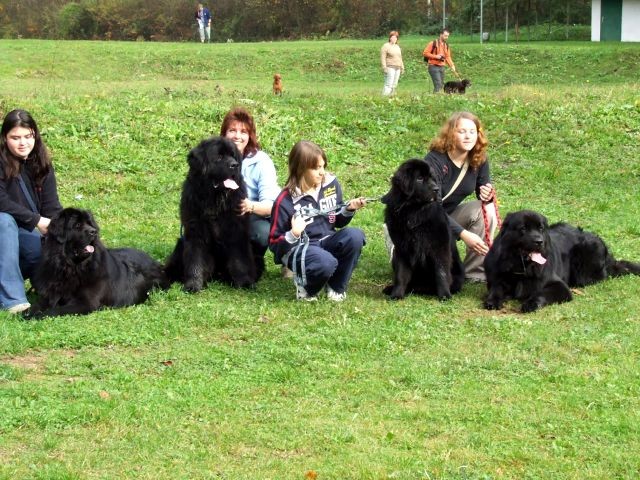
445 140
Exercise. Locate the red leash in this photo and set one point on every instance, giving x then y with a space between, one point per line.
487 234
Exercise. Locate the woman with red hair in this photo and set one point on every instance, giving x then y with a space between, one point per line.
258 172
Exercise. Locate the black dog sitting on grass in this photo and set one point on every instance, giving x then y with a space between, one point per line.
457 86
425 257
216 242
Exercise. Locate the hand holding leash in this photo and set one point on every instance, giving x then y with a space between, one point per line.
356 204
299 222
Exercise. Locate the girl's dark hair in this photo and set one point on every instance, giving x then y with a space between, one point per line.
303 156
38 160
239 114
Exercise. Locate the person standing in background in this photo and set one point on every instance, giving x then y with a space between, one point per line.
203 17
392 66
437 54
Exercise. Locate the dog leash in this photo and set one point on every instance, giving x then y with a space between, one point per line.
310 212
300 274
485 216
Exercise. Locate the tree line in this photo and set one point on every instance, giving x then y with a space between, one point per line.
251 20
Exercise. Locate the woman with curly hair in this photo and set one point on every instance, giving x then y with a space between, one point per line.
459 161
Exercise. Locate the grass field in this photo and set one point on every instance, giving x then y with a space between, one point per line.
229 384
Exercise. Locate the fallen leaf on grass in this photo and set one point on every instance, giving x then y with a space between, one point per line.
311 475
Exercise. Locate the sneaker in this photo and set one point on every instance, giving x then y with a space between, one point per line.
19 308
335 296
475 280
301 294
286 272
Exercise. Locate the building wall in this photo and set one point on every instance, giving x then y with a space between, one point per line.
596 13
630 21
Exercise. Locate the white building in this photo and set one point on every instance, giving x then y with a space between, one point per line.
616 20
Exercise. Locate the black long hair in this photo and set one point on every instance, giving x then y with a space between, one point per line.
38 160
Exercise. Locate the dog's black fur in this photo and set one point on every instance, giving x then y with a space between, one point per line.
457 86
77 274
425 258
216 241
574 258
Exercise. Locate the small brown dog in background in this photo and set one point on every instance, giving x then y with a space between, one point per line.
277 84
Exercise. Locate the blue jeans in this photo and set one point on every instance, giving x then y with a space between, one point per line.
259 232
330 261
19 254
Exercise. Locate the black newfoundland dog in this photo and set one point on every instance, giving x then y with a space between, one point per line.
215 243
78 274
537 264
457 86
425 257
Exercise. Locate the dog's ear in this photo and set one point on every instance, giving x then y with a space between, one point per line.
507 221
196 158
403 180
57 228
91 221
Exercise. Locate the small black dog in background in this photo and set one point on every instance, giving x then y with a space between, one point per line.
457 86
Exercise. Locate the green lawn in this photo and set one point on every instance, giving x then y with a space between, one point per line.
229 384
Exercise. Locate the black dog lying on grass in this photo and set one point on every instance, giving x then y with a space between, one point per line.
536 264
425 257
457 86
78 274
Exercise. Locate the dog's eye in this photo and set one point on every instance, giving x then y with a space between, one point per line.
78 226
420 179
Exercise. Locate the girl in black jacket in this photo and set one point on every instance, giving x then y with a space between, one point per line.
28 200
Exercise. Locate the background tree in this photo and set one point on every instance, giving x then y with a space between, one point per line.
283 19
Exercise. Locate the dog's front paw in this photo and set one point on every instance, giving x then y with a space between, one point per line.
492 304
394 292
443 297
193 286
531 305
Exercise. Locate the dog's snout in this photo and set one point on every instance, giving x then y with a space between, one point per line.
233 163
92 231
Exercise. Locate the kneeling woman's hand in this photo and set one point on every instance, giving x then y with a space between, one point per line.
43 225
474 242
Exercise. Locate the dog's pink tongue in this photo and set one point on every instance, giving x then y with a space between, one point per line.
230 183
89 249
538 258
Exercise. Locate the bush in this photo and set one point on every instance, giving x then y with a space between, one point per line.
75 22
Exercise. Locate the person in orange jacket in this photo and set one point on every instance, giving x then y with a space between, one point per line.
437 54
